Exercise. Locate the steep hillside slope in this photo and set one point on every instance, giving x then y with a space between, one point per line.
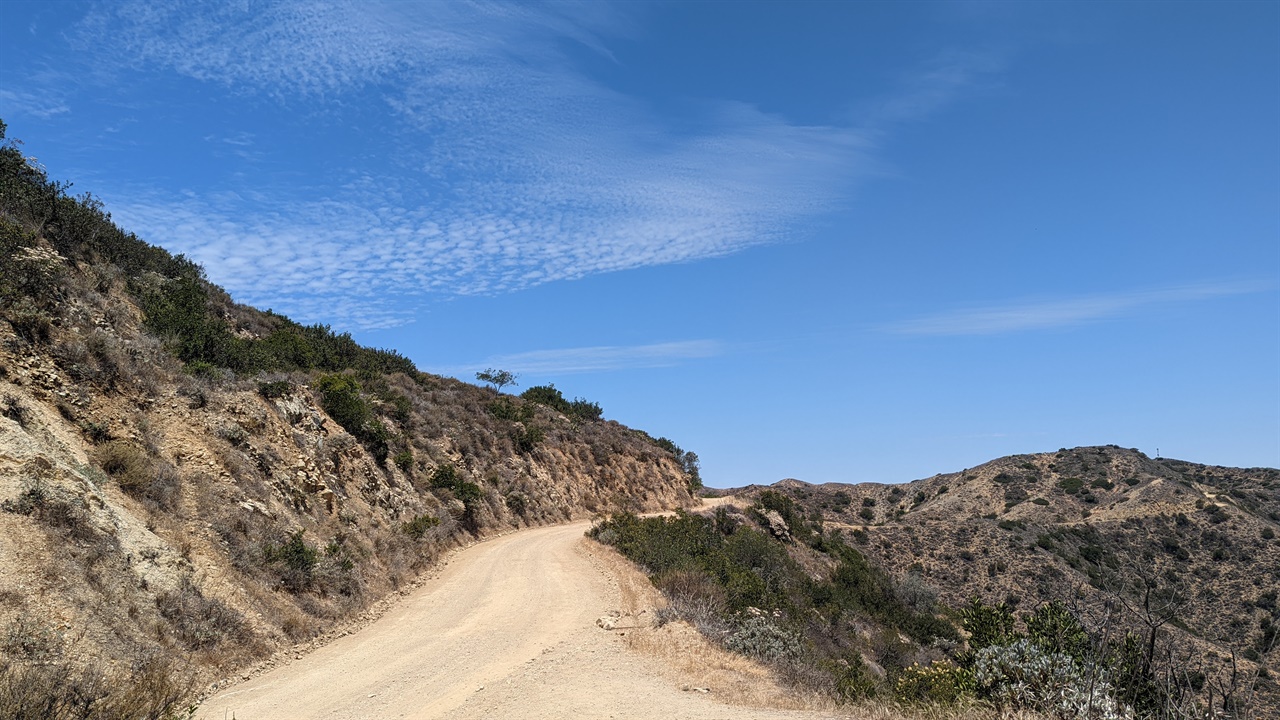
1187 556
188 484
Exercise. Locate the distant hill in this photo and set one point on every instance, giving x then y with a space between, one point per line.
1121 538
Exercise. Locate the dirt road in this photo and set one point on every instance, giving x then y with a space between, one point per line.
507 630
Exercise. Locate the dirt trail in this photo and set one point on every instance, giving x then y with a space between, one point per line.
507 629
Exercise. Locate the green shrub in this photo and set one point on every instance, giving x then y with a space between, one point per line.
584 410
853 680
688 462
516 503
404 460
96 432
1071 486
790 512
507 408
941 682
444 476
30 322
1056 630
547 395
340 397
987 625
275 389
468 492
401 409
762 639
526 438
295 560
419 525
447 477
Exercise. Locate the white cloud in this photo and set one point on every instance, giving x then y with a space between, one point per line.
934 86
41 104
1020 317
526 170
593 359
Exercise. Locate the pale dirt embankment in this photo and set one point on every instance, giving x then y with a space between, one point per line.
508 629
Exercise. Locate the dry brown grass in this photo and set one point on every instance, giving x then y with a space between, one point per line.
153 687
126 464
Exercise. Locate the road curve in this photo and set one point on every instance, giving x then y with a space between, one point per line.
507 629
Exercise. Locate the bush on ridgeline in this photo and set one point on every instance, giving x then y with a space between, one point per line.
688 462
577 409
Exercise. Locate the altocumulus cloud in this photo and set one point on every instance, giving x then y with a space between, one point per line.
523 169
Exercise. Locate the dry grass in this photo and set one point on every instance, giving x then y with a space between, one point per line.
152 688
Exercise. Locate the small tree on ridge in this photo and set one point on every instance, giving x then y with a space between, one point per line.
497 378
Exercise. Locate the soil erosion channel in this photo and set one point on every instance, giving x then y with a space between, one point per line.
506 629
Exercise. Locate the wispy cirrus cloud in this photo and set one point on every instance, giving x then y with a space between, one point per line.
594 359
516 167
39 104
1042 315
934 86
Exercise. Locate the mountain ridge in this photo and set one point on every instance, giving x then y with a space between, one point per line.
1087 526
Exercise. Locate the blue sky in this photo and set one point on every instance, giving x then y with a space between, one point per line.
831 241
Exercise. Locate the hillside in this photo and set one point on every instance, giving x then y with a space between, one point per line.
1185 556
189 485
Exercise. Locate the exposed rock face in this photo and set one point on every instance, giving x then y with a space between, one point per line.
777 525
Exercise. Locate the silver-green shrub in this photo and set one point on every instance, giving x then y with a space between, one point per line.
1022 676
760 638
